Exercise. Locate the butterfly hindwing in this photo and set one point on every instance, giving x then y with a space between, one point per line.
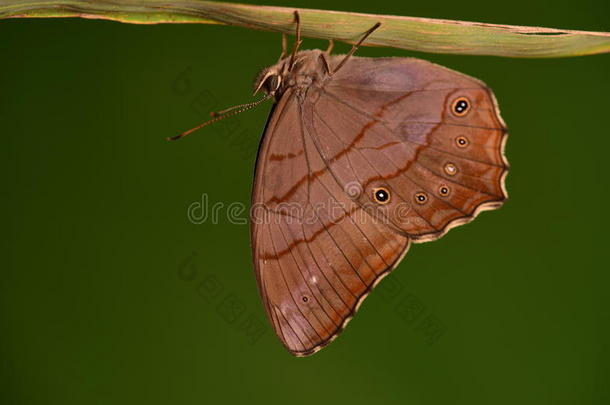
390 123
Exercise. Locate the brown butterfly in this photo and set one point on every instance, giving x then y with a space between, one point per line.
360 157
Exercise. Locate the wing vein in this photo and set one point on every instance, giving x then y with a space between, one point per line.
288 287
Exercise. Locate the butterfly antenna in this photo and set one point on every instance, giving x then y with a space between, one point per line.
226 110
221 115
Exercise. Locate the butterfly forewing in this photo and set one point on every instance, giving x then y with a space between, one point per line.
317 252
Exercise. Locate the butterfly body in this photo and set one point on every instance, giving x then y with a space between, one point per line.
354 165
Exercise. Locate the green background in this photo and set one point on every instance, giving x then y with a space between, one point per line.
101 297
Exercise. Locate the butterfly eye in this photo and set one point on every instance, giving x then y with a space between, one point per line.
273 83
460 106
381 195
421 198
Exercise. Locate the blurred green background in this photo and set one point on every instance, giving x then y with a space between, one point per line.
110 295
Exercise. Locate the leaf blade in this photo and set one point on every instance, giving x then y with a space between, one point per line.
412 33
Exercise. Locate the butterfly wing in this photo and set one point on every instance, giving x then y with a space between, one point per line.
320 239
431 136
317 251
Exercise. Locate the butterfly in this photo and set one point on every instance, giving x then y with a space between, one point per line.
361 157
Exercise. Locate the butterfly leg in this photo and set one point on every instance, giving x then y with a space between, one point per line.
326 64
331 45
284 46
355 47
298 41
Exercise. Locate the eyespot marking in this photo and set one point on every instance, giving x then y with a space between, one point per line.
460 106
444 191
421 198
381 195
451 169
461 141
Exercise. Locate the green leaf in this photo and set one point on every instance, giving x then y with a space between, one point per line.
418 34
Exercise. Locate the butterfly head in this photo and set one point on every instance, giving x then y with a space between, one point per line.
269 80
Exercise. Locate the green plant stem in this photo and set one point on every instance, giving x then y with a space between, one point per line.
418 34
